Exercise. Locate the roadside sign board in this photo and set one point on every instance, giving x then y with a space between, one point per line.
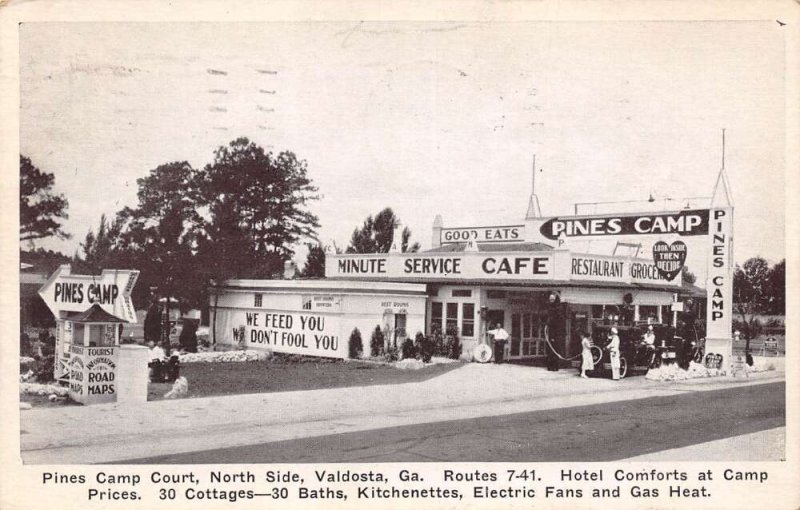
496 234
67 292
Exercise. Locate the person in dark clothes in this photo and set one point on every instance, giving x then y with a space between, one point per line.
50 345
152 323
188 338
24 344
555 328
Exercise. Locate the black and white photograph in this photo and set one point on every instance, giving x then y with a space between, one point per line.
472 258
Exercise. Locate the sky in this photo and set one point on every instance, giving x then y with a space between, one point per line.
428 118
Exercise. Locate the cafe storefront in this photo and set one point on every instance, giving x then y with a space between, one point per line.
474 278
469 292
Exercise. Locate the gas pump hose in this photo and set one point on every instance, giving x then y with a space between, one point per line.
547 339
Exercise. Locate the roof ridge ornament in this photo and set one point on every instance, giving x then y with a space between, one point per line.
723 192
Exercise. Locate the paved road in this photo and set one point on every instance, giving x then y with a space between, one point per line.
605 432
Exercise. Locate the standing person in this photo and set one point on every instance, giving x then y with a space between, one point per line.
613 350
188 338
586 354
24 344
37 348
499 335
152 322
555 331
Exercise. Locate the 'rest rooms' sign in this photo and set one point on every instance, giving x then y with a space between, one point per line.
502 234
684 223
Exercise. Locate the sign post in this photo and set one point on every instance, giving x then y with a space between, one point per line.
719 283
88 311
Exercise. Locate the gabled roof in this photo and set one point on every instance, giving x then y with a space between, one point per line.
690 289
497 247
95 314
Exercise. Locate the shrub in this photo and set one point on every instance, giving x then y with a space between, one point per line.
391 353
438 341
44 370
774 322
453 345
376 342
355 346
426 349
409 350
423 347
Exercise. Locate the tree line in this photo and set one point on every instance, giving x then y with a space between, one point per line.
240 216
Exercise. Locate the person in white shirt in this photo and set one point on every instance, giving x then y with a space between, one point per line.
156 362
650 338
499 335
587 363
156 352
613 350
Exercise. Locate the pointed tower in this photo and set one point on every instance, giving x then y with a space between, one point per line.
436 237
534 211
719 274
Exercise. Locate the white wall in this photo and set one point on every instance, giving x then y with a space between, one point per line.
345 312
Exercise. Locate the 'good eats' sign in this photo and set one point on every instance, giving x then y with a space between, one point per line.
502 234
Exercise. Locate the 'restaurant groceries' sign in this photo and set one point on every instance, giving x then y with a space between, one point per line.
684 223
614 269
310 334
66 292
523 266
502 234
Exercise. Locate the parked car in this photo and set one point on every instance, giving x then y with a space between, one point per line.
635 359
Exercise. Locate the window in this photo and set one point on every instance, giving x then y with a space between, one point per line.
257 301
468 319
526 326
495 294
647 312
515 331
399 327
78 334
515 335
597 311
452 317
436 317
666 314
462 293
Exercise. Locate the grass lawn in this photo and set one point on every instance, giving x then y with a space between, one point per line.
273 375
756 343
